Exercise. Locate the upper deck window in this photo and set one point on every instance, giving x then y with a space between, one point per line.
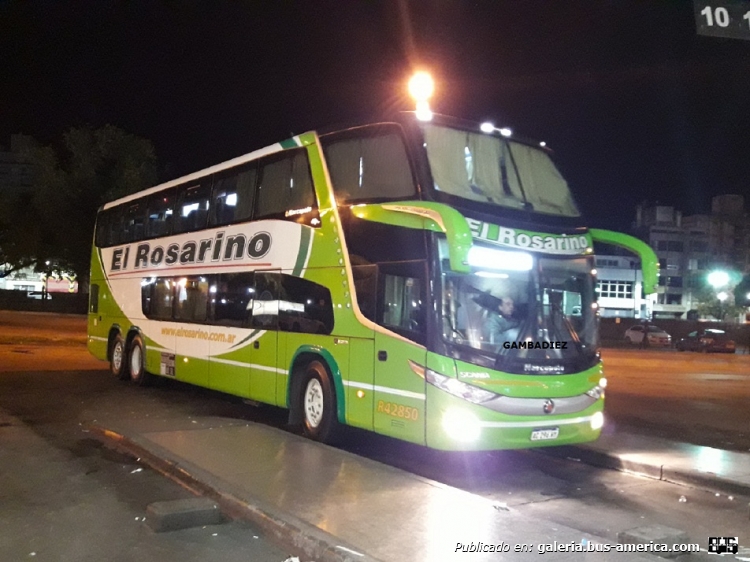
370 164
285 185
497 171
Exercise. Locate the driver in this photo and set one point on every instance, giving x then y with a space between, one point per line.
501 325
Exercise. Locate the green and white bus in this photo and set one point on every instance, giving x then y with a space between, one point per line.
430 280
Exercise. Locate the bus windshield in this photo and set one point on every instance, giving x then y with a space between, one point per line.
495 170
536 312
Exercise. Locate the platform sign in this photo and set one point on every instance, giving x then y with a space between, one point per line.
723 18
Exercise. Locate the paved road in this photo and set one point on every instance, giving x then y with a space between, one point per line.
693 397
63 495
53 402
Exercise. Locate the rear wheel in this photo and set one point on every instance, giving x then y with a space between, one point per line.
137 362
117 357
318 404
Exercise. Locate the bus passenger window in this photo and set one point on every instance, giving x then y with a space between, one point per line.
232 199
192 208
159 215
266 303
374 166
285 185
132 229
231 299
156 298
402 303
305 307
191 299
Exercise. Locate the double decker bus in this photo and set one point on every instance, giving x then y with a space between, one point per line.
421 277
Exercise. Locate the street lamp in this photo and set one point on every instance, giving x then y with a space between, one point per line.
718 279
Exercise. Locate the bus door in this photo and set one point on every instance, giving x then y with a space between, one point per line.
264 349
399 391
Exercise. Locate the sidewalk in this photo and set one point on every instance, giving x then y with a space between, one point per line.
681 463
336 506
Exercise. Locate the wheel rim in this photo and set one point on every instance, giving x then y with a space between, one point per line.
314 403
117 356
135 362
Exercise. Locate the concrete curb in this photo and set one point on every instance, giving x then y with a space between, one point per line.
305 540
691 478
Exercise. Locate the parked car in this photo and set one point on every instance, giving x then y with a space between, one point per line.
707 340
656 336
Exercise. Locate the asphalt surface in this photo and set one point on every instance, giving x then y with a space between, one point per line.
180 452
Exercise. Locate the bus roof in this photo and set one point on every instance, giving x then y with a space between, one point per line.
249 157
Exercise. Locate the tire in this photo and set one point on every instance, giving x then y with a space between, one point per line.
317 401
136 367
117 357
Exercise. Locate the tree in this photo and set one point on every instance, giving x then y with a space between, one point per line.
708 303
51 226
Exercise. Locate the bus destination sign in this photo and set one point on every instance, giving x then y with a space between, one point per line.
723 18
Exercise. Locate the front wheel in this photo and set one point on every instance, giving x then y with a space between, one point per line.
318 403
137 362
117 357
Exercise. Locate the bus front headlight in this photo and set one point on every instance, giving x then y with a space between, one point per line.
457 388
461 425
597 421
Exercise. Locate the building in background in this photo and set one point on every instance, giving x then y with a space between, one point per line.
689 247
619 288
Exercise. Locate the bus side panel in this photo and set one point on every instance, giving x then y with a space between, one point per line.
399 391
231 375
359 380
263 374
191 357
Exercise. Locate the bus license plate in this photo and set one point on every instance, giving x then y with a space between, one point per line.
545 434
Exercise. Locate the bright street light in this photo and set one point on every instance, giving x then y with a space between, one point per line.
718 279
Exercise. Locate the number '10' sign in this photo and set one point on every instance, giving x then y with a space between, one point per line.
723 18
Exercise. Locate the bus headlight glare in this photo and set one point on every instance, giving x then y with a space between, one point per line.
603 382
597 421
461 426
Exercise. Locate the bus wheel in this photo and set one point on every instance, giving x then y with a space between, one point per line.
318 403
137 362
117 357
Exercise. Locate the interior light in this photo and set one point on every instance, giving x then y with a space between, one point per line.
492 274
489 258
486 127
231 200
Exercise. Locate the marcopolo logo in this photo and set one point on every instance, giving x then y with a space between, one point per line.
550 243
217 249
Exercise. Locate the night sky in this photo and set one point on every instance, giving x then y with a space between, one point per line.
634 103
